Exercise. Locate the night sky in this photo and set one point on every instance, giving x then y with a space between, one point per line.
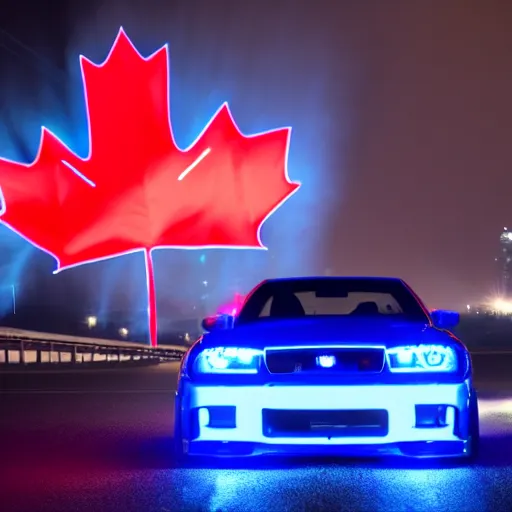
401 115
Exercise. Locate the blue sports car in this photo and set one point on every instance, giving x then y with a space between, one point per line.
347 366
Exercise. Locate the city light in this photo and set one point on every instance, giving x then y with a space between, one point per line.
502 306
91 321
498 305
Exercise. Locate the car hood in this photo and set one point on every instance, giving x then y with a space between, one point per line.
385 331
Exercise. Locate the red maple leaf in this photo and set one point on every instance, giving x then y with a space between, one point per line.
137 190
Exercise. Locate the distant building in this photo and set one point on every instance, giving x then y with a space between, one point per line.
505 261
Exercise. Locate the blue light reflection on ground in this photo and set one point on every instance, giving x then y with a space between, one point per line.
334 487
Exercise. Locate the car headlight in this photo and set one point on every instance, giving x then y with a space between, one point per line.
228 360
422 358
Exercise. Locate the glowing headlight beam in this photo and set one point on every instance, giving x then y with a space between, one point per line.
422 358
228 360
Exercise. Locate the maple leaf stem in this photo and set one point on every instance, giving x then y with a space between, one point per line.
152 316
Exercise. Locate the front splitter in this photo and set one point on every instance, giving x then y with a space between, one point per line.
414 449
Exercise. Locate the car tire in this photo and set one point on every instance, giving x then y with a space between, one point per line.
474 428
178 454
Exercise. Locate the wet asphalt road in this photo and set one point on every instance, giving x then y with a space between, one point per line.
99 440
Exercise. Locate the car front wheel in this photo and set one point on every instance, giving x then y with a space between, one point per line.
474 427
177 441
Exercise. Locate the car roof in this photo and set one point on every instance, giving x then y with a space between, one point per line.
333 278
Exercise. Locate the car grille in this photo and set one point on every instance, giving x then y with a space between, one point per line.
325 360
328 423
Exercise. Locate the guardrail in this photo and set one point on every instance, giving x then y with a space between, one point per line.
19 347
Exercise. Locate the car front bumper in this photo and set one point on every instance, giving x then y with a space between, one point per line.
419 420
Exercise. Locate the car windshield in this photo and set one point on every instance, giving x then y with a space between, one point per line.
291 298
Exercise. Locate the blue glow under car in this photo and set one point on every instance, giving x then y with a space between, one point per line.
347 366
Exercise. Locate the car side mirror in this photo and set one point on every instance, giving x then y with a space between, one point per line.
217 322
445 319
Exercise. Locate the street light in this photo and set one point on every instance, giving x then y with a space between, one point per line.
92 321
